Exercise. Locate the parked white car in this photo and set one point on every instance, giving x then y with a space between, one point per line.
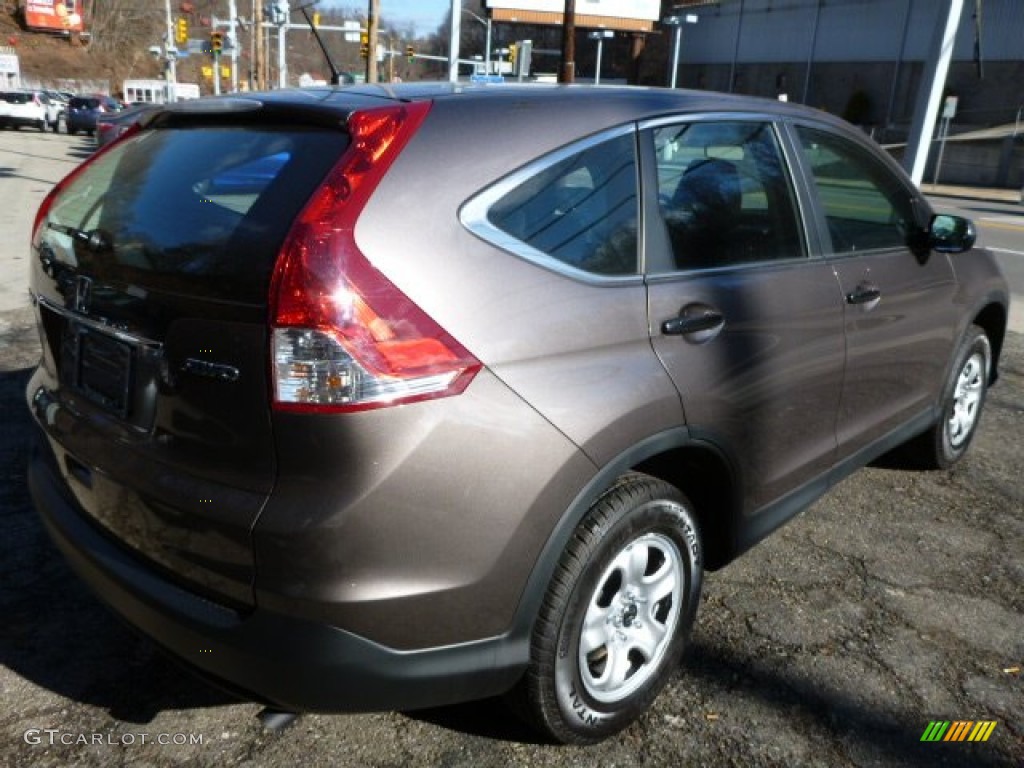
31 108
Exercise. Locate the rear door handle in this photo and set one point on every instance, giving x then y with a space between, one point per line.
707 320
863 294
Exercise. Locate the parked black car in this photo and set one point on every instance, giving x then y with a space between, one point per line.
353 405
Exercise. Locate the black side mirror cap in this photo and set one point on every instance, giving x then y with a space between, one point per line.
951 234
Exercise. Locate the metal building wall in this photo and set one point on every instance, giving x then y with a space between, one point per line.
767 31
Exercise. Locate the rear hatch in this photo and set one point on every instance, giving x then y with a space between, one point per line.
151 268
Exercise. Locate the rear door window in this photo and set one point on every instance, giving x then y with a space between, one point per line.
724 195
196 210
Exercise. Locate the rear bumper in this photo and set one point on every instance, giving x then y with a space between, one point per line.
292 663
19 121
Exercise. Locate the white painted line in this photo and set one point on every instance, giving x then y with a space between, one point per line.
1006 250
1017 221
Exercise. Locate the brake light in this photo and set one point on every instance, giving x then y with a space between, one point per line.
343 336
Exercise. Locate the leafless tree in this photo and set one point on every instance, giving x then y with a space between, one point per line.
117 25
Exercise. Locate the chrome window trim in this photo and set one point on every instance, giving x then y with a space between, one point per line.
473 212
774 122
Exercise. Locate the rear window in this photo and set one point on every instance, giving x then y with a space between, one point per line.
196 210
580 211
17 98
80 103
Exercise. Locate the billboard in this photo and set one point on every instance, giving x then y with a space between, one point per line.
54 15
638 15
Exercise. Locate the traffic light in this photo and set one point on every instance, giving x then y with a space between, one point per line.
513 49
410 53
316 18
181 30
364 46
217 42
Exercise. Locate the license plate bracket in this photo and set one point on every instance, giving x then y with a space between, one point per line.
100 368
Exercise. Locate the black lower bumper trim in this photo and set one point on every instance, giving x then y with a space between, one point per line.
292 663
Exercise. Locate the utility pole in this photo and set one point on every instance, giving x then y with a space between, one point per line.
391 58
929 98
455 33
260 57
170 54
233 39
372 27
282 50
567 73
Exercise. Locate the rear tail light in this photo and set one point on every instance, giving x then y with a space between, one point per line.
344 337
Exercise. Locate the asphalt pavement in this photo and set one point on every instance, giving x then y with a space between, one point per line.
895 602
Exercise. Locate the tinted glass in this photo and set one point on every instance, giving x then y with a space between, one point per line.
581 211
725 195
866 204
201 210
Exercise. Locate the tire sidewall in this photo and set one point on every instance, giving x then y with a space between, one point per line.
975 341
589 719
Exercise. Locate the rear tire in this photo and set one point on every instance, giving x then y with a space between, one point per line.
616 615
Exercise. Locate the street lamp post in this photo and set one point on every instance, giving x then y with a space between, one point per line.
677 22
600 35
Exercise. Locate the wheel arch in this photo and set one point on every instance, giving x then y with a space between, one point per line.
694 466
705 477
992 318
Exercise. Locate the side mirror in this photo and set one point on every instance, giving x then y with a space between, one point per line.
951 234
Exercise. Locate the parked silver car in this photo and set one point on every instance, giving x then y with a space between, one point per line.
389 397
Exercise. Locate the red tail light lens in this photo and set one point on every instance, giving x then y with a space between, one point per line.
344 337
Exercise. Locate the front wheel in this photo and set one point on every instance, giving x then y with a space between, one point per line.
963 398
616 616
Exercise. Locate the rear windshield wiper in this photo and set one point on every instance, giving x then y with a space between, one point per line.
94 240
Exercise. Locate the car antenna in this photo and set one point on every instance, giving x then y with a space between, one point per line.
335 72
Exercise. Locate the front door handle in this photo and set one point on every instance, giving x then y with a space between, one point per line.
684 324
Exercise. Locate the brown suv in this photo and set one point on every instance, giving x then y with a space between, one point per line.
372 398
